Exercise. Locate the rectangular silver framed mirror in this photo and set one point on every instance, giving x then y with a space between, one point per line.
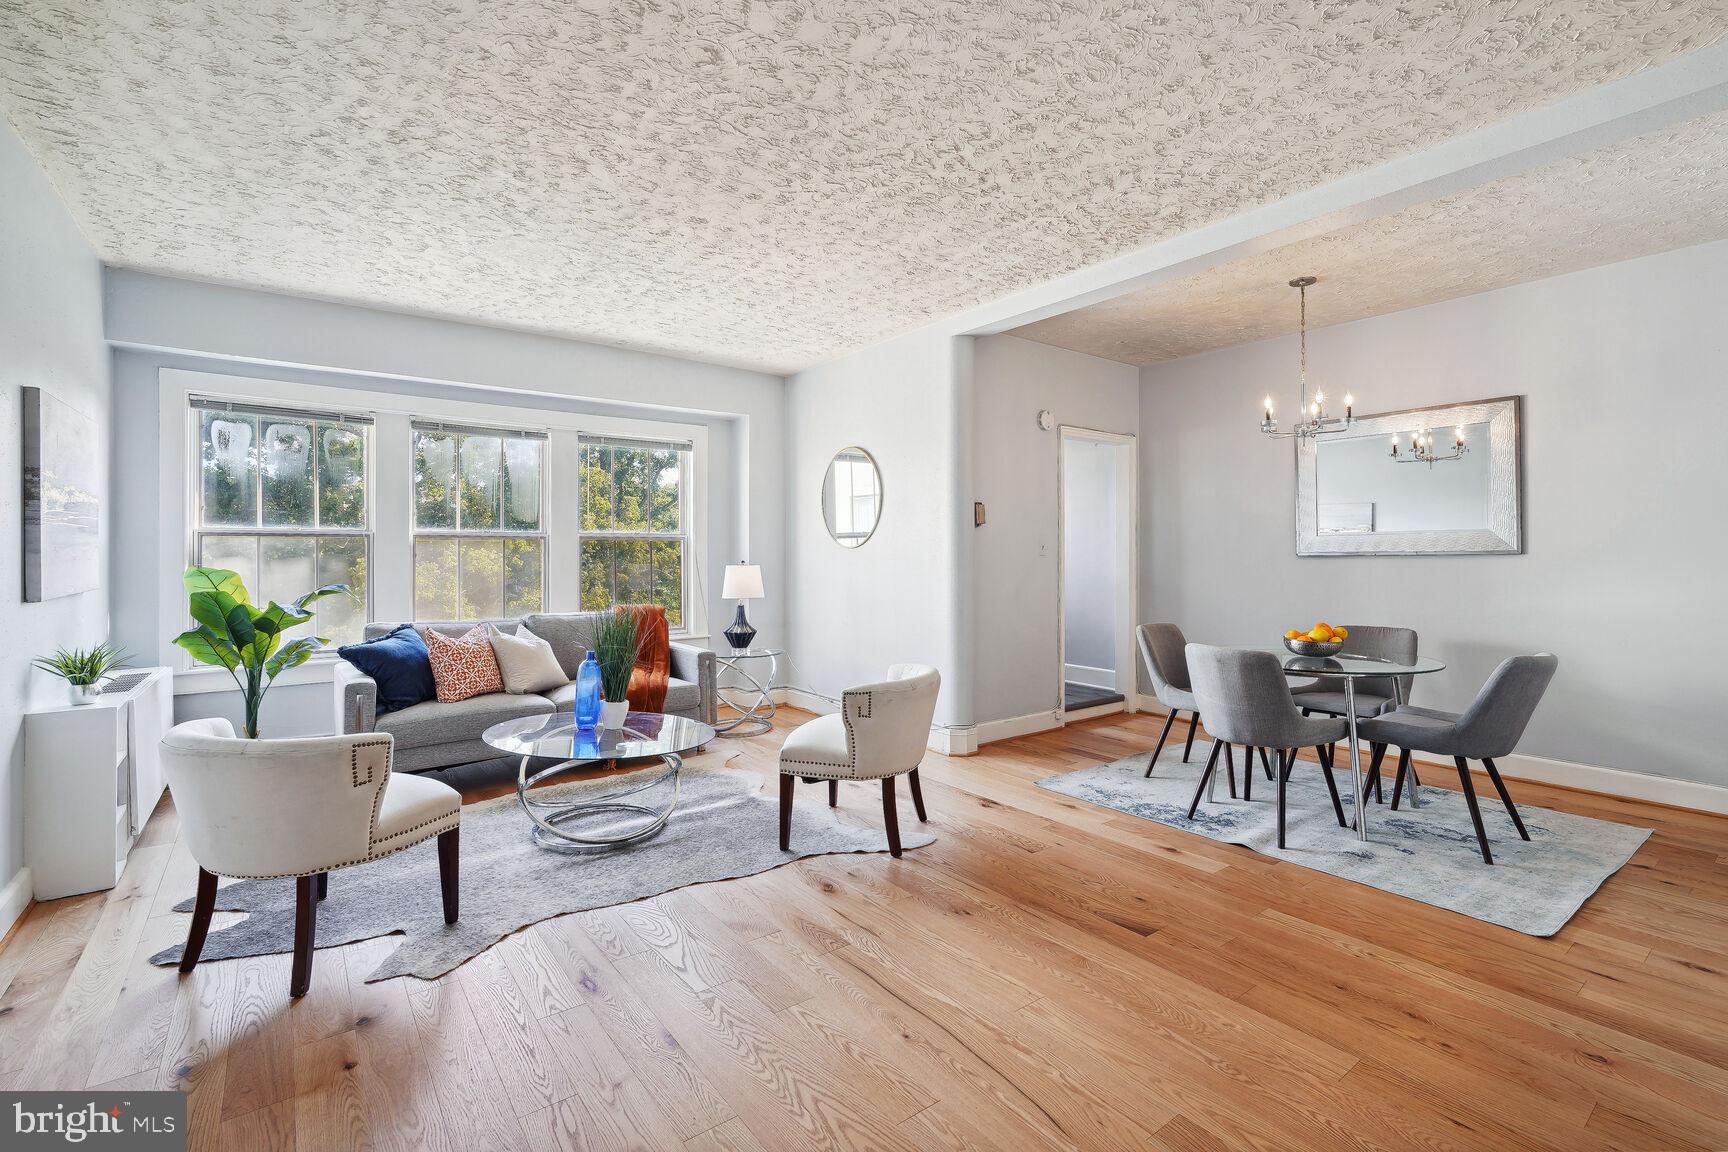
1439 481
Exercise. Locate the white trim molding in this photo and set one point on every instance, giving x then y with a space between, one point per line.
990 731
1091 677
15 900
1619 782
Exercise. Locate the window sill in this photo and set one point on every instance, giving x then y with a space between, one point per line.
206 678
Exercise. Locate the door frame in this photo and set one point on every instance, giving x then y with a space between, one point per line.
1127 569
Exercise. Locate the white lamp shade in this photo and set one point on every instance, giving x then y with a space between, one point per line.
743 582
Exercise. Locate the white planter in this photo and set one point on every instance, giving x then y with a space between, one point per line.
612 714
84 693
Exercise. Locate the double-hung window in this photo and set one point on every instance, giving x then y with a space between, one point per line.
634 524
282 499
479 533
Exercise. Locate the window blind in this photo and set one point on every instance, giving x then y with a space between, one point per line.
453 429
252 408
588 440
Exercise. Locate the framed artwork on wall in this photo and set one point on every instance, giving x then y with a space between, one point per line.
62 519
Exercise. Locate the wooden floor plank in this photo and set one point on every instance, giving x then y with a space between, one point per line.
1047 974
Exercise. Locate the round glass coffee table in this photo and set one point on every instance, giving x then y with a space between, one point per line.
645 735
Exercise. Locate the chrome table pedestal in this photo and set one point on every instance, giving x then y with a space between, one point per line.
755 716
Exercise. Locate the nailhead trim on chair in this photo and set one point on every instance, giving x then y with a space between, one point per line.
864 713
348 863
354 764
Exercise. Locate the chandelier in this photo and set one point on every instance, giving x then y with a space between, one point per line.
1422 448
1312 420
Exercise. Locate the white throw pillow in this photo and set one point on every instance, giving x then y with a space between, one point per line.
526 661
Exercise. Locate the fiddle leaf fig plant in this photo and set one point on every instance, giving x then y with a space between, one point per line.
246 640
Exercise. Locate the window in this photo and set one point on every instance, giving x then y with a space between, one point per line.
282 500
634 524
479 543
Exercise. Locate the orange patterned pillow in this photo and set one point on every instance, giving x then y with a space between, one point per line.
465 666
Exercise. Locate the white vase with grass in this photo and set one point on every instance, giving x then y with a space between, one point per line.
83 670
617 644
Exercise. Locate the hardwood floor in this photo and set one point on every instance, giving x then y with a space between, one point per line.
1046 975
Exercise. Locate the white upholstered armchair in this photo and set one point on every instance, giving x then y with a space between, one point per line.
879 733
254 809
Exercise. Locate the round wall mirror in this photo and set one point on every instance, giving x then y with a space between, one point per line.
851 497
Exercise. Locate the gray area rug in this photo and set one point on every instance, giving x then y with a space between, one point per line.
723 827
1428 854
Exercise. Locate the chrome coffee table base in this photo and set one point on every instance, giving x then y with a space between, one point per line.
551 817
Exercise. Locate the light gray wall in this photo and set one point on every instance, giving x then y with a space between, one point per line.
159 322
1014 586
899 597
50 338
1089 561
1621 369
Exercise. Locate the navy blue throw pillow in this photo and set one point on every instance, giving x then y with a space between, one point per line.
400 663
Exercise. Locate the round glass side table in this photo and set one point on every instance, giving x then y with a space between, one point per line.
755 715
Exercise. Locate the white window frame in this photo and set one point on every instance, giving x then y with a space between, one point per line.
199 532
460 533
390 498
686 517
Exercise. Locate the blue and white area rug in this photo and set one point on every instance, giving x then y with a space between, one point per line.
1428 854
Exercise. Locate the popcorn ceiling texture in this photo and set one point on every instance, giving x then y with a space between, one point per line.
769 183
1659 192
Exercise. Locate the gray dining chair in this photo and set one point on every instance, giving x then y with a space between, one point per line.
1374 694
1161 648
1490 727
1247 701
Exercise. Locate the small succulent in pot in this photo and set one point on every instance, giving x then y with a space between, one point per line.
83 669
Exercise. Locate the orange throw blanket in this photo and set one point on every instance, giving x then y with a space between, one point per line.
647 692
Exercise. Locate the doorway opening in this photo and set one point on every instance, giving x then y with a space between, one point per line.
1096 566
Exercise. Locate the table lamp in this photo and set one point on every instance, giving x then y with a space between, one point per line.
743 582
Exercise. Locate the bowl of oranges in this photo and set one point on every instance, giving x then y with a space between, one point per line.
1320 640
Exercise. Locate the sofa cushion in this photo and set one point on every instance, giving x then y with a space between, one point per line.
464 667
571 635
462 722
399 662
527 662
682 697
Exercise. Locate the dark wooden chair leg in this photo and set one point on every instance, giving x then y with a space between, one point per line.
917 794
833 793
305 928
1475 812
1199 791
1162 736
1403 771
1415 780
786 784
1247 773
323 885
890 818
1331 787
1230 769
1266 763
1505 797
202 907
1193 726
1374 773
450 872
1283 783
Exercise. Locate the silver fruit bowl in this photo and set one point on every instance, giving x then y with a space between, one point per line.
1314 647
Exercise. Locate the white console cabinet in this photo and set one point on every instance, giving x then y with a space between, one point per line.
92 776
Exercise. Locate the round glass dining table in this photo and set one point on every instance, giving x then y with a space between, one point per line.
1350 669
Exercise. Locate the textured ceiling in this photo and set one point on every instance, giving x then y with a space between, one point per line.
1651 194
770 183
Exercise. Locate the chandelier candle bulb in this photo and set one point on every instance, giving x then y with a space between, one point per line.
1349 406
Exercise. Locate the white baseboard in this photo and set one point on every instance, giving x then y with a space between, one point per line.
955 740
1620 782
14 899
991 731
1085 674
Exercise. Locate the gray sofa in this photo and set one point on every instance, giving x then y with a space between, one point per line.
433 736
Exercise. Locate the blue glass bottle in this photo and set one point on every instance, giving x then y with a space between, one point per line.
588 693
